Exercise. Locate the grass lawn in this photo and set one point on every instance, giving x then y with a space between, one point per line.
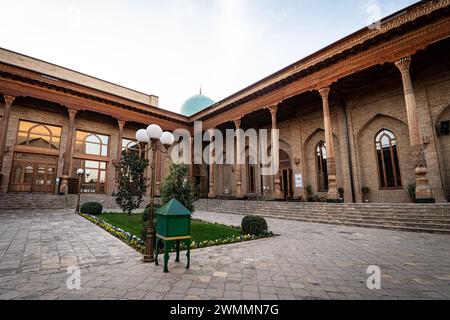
201 231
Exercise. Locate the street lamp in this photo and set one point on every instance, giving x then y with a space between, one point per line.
80 173
156 140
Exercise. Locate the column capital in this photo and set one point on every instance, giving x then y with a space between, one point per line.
237 123
72 113
121 124
8 99
325 92
404 64
273 110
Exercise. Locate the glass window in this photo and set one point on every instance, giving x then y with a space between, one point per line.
91 143
322 169
387 160
96 181
39 135
130 145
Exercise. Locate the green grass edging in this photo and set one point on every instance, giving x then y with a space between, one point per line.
139 245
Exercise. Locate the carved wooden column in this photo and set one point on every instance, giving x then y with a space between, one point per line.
4 128
63 188
333 194
238 167
212 192
192 164
423 189
276 153
121 124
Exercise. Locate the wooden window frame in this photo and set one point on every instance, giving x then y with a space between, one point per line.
397 178
35 124
101 144
316 155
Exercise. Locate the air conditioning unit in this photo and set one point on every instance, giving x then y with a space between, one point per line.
444 129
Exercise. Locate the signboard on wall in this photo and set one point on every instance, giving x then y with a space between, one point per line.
298 181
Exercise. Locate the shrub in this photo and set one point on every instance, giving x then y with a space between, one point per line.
309 193
341 192
365 190
92 208
132 182
254 225
178 185
411 189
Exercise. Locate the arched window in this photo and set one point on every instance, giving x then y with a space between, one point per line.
387 160
251 174
322 170
131 146
91 144
38 135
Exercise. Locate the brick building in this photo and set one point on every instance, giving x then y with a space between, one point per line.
371 110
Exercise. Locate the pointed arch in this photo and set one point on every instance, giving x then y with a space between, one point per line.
387 159
373 119
322 167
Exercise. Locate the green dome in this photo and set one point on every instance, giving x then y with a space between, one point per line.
196 104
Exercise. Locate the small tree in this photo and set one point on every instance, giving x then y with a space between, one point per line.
132 183
178 185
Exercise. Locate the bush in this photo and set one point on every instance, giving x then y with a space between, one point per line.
178 185
254 225
411 189
132 182
92 208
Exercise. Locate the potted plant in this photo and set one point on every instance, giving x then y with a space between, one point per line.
341 194
365 191
309 193
411 189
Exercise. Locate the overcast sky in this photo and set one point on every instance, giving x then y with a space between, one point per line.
171 47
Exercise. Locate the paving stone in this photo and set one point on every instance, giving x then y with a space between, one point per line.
306 261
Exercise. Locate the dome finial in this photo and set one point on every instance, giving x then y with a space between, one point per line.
200 89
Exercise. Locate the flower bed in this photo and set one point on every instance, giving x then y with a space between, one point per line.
139 245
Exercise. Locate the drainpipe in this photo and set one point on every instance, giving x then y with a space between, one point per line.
349 151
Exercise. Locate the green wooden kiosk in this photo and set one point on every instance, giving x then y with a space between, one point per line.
173 226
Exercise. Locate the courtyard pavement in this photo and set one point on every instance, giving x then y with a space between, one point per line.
306 261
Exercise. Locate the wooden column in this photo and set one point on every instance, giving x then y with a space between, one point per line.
4 128
63 187
423 189
211 193
121 124
276 153
238 167
192 164
333 194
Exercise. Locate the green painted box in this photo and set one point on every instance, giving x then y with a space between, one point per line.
173 220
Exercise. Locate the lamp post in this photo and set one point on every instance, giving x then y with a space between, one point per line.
80 173
155 139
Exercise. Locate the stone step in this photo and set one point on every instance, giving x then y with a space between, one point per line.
397 211
35 201
376 226
433 218
369 218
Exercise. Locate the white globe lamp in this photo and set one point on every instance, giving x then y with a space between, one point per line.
167 138
154 131
141 136
80 172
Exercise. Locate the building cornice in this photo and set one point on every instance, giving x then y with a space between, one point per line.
14 75
340 47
